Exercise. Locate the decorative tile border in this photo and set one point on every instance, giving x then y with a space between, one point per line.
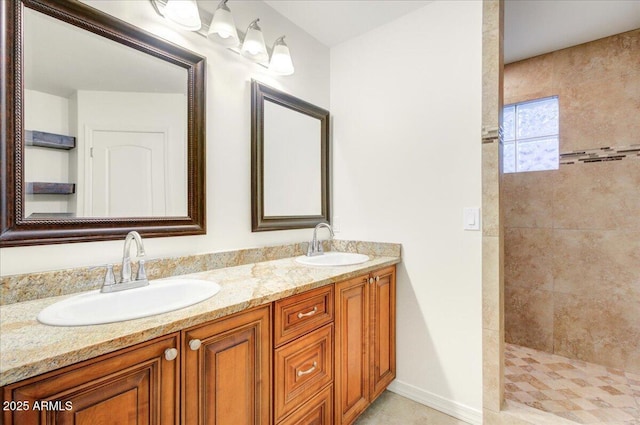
600 154
32 286
492 135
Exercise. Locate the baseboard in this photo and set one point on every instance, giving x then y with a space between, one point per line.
450 407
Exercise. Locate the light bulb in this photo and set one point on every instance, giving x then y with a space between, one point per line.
253 46
281 62
223 28
184 13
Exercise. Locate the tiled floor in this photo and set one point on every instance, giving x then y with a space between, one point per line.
582 392
392 409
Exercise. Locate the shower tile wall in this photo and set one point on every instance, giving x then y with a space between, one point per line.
572 236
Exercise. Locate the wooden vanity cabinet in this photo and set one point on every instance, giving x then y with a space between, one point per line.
365 341
137 385
303 358
227 370
330 353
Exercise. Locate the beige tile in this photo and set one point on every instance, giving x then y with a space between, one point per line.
528 79
603 330
601 195
528 258
603 397
529 317
597 262
491 287
490 15
491 79
492 369
598 60
595 113
392 409
528 199
490 189
521 414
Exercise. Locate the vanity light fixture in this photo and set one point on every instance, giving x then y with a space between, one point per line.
183 13
281 62
223 31
223 27
253 46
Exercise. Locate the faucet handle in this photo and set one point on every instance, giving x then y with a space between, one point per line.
109 277
142 274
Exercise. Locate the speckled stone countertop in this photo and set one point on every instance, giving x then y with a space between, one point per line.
28 348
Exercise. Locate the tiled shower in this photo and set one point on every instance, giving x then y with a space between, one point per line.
572 235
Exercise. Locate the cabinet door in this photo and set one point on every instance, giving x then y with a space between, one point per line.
137 386
227 373
352 354
383 330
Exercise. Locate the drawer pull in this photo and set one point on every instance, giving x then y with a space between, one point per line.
195 344
170 354
308 371
310 313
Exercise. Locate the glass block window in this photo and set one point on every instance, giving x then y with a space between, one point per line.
530 136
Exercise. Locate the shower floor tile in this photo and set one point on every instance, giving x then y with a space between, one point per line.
582 392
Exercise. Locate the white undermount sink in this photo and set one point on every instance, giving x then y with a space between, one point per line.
333 259
160 296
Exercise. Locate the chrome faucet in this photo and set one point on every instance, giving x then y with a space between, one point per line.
315 246
110 285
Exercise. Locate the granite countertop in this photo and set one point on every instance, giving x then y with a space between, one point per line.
29 348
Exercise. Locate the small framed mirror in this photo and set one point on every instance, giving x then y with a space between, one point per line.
290 161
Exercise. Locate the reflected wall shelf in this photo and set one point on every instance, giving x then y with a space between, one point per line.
49 140
37 188
45 216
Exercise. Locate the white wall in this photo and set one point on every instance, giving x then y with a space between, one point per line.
406 102
228 133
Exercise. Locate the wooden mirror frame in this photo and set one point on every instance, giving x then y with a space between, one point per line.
15 229
260 222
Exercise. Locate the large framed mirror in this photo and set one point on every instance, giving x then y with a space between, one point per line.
103 128
290 161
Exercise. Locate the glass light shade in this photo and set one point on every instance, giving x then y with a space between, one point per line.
184 13
281 62
253 46
223 28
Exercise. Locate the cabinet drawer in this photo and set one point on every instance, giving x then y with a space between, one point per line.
299 314
302 368
317 411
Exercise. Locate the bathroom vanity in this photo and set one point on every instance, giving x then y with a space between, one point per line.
281 344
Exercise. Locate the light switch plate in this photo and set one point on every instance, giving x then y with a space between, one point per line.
471 217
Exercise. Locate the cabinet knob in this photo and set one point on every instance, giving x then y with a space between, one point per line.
195 344
170 353
370 280
377 279
306 372
309 313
